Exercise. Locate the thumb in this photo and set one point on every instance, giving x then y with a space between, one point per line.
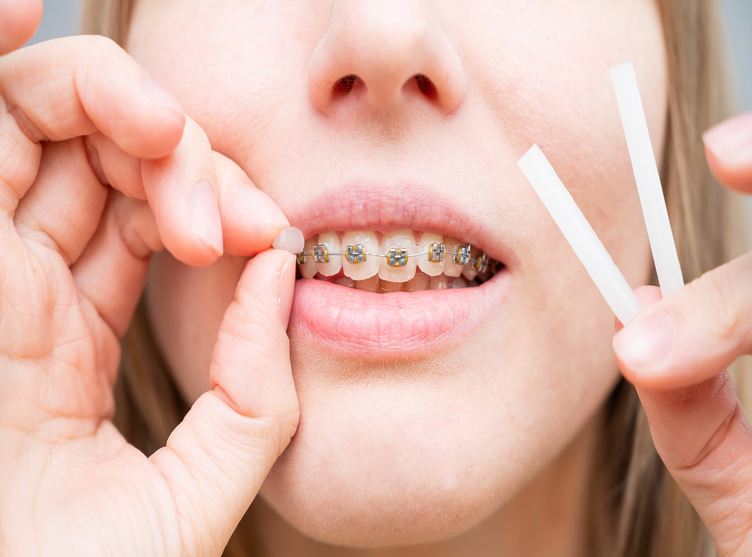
694 333
701 434
217 458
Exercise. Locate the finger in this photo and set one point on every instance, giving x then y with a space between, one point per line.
19 20
692 334
728 148
74 86
63 207
250 219
111 271
216 460
648 295
704 439
181 189
115 167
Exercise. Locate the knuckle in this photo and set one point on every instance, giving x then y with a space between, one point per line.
721 301
99 46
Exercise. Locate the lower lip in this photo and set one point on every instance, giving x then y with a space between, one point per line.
361 324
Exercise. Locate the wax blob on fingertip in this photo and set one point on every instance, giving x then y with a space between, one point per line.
290 239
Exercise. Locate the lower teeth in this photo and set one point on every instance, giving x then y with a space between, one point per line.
421 281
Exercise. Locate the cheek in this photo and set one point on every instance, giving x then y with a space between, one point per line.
557 92
186 306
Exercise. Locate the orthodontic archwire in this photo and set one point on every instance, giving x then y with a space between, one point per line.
398 257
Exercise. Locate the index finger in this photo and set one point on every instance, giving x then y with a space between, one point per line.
728 148
73 86
19 20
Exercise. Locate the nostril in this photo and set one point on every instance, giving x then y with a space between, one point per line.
343 85
426 86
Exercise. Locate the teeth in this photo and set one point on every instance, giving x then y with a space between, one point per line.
452 269
372 284
345 281
418 282
392 265
438 283
401 239
308 269
388 286
365 269
333 245
458 282
428 267
469 272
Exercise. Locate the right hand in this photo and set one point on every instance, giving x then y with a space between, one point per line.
97 169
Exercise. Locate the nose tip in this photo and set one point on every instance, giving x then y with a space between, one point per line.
387 51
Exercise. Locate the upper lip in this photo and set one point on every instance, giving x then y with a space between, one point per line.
384 208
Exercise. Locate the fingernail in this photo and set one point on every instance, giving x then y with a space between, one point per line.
205 215
262 206
159 95
731 140
289 239
645 342
286 290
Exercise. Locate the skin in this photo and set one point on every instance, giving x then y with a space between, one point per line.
123 163
470 430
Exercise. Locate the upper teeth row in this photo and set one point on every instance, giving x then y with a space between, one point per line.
361 256
398 257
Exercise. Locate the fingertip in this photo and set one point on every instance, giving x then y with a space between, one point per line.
250 218
638 346
728 150
19 20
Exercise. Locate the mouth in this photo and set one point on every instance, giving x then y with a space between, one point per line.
399 261
394 272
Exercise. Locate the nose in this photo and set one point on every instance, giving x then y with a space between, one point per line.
387 52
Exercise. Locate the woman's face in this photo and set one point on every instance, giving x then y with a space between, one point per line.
421 412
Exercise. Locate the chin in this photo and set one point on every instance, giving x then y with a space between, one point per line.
359 478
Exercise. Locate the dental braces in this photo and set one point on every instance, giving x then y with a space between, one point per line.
398 257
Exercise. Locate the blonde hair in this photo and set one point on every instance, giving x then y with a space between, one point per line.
636 509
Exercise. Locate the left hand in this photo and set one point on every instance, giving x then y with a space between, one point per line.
676 352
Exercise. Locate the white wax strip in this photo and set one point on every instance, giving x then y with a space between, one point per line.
580 235
647 178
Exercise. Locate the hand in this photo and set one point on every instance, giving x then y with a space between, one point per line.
676 351
76 114
19 20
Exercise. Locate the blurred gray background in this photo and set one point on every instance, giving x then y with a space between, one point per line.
61 18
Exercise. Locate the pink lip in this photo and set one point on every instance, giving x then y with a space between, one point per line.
364 324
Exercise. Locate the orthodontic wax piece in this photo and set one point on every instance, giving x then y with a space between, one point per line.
580 235
289 239
648 180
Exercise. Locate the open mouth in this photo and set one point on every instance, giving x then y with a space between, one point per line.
396 271
402 260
